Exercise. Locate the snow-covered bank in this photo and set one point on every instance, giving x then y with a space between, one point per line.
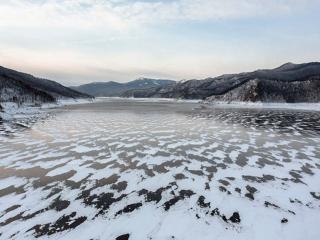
24 115
14 116
262 105
11 110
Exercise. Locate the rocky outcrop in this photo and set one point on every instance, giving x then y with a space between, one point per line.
287 83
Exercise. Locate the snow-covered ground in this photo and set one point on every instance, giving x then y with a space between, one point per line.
154 170
12 110
25 115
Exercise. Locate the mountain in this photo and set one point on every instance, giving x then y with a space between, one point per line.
21 87
114 89
287 83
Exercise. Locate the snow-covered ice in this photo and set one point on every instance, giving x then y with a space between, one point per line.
266 105
123 169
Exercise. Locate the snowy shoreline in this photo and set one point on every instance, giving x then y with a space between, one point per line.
11 109
14 115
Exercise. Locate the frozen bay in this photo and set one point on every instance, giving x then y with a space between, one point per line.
162 170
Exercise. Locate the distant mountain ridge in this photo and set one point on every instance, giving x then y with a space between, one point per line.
21 87
287 83
115 89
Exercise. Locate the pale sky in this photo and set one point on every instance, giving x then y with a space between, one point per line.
75 42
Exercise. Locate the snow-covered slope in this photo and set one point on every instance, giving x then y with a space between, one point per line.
21 87
287 83
113 89
20 92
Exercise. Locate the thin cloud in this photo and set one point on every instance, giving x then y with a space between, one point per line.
63 14
120 15
85 40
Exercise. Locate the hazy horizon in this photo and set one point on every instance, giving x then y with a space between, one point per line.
142 77
77 42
